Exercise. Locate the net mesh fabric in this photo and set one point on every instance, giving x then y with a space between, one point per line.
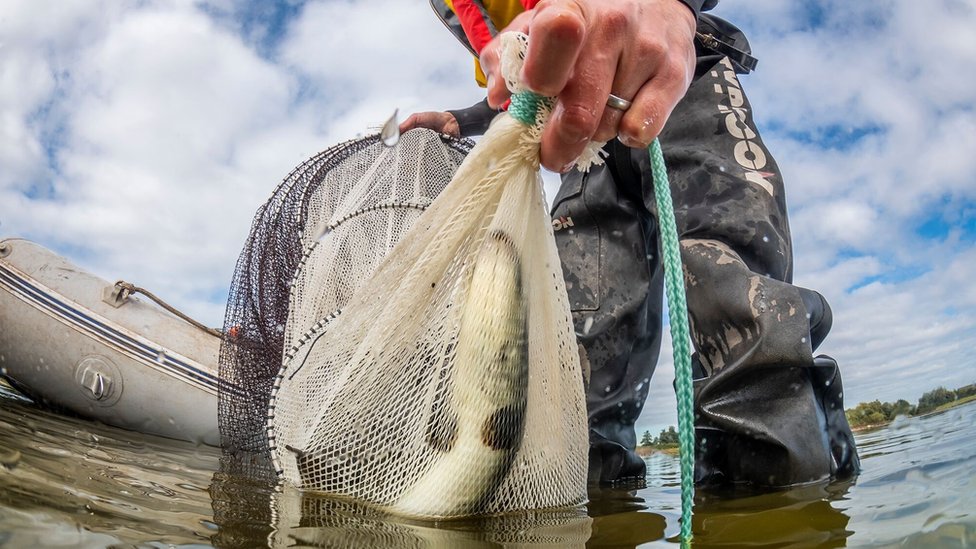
450 384
360 193
430 371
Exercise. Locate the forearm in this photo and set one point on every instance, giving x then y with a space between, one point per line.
474 120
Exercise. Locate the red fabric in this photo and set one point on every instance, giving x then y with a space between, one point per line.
473 23
472 15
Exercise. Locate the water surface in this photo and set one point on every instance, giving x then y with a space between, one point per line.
67 482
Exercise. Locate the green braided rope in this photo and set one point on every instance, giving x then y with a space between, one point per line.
524 107
674 286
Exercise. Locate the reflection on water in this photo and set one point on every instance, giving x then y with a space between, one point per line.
919 484
314 521
800 517
72 483
80 484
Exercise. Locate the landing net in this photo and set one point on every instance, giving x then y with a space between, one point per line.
361 193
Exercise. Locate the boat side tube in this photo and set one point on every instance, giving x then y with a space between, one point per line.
67 341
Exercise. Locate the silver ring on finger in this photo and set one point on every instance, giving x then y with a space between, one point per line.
618 103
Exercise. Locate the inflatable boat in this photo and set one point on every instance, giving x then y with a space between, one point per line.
82 344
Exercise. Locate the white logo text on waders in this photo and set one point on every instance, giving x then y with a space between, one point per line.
564 222
747 153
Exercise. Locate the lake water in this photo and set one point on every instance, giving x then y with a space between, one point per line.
66 482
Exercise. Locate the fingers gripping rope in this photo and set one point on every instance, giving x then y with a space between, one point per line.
527 106
531 108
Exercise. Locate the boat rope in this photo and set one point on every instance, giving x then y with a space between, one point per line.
523 108
128 289
678 315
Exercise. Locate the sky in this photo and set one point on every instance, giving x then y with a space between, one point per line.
138 138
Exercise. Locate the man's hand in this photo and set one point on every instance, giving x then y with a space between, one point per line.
581 51
441 122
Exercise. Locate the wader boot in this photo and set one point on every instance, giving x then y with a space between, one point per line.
767 412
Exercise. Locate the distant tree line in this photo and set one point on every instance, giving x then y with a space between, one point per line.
862 415
667 438
878 413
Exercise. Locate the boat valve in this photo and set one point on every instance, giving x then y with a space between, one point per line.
99 380
97 383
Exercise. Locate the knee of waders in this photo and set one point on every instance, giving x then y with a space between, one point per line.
774 427
825 376
819 313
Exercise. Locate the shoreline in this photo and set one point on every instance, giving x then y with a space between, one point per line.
943 408
647 451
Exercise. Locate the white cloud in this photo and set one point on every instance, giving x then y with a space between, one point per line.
835 280
152 112
890 68
168 130
33 39
363 61
843 222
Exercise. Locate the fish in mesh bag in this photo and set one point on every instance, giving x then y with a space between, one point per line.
333 218
450 383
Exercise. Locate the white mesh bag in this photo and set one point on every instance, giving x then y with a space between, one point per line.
450 383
